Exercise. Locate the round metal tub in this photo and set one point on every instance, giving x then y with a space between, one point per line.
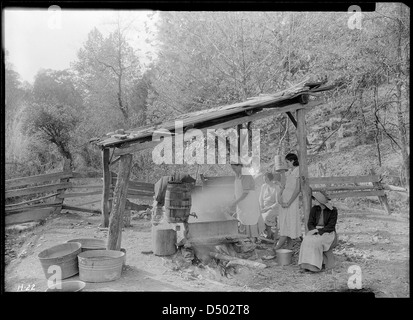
67 286
100 265
63 256
90 243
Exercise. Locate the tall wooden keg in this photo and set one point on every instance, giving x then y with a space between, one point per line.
177 202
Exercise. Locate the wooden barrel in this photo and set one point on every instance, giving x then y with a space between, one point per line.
177 202
163 241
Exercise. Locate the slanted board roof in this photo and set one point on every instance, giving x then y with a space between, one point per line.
213 116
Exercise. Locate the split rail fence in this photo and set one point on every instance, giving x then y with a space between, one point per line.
36 197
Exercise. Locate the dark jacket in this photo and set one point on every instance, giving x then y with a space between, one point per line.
330 219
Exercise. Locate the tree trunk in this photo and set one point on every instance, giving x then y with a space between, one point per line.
401 124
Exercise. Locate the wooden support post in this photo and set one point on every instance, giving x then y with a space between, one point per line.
239 127
119 196
383 199
295 124
303 168
66 169
106 188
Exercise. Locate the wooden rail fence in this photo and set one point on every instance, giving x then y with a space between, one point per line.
339 187
36 197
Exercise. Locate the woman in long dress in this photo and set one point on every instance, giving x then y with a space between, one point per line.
322 232
269 198
246 202
289 218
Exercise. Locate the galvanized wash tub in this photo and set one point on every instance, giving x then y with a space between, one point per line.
100 265
67 286
62 255
90 243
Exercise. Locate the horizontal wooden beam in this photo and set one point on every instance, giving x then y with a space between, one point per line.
264 114
24 181
338 188
31 201
394 188
343 180
140 196
81 186
36 190
26 208
138 185
79 209
359 194
88 174
79 194
139 192
32 215
134 147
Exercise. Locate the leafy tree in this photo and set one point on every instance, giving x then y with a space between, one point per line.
55 112
108 71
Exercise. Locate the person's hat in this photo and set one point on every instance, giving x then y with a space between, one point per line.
322 198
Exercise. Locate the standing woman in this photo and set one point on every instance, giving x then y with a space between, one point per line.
289 218
246 202
269 205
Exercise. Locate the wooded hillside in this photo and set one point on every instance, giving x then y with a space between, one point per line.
208 59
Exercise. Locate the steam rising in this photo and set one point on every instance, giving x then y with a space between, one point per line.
210 203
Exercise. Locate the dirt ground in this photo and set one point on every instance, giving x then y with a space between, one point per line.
370 239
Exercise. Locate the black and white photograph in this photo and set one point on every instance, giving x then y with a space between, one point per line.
204 149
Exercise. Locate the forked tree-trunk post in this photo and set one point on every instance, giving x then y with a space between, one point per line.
303 168
119 202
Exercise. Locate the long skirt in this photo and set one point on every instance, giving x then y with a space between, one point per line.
252 231
312 248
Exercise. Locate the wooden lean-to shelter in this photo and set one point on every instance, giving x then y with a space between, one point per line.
120 145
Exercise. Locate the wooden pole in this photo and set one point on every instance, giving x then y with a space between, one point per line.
119 196
383 199
67 169
106 188
303 168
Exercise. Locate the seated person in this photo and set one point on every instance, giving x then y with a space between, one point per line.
321 234
269 203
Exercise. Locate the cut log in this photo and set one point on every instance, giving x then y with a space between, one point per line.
266 240
238 261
